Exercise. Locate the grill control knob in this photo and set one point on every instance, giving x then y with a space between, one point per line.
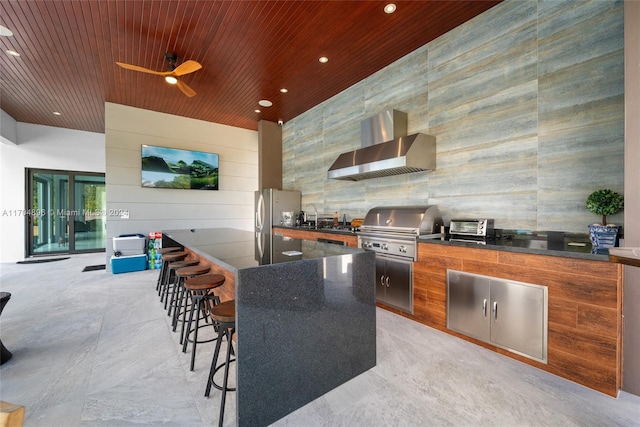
384 246
403 249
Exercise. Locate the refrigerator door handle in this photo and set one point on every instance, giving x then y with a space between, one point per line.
260 240
260 213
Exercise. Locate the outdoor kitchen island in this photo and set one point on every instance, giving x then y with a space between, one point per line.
305 319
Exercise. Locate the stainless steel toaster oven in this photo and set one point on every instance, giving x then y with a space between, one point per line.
471 227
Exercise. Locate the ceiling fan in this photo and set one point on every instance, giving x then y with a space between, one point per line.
172 73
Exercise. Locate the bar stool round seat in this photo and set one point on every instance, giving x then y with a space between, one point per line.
163 275
205 279
163 251
171 280
181 299
193 270
224 314
200 289
174 256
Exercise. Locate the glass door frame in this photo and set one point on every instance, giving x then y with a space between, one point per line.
70 203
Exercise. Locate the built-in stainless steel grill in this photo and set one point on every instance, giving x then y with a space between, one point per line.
394 230
392 233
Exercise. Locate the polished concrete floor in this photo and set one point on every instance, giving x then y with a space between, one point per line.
96 349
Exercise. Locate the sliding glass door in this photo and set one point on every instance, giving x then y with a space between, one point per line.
66 212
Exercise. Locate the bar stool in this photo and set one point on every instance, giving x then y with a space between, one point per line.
200 289
171 288
181 303
224 314
163 251
4 353
163 277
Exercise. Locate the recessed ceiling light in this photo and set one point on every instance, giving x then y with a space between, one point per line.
12 52
323 59
5 32
284 90
171 80
256 110
57 113
265 103
390 8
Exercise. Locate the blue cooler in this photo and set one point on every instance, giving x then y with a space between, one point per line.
128 263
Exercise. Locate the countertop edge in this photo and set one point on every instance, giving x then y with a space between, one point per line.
626 256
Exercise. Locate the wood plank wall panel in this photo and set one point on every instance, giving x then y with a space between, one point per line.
227 291
585 309
526 125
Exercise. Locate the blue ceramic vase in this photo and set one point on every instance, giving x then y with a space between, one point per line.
603 236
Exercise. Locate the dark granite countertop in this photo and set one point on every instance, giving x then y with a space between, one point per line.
235 249
554 243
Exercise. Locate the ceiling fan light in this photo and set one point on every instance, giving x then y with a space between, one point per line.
5 32
171 80
390 8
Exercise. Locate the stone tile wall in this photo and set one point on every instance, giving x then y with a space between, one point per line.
526 102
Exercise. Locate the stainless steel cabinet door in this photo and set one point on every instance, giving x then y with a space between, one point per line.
394 283
399 284
468 304
381 275
518 317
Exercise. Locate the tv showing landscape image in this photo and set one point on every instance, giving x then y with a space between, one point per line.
164 167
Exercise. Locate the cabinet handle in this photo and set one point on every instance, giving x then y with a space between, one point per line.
495 310
484 308
382 280
388 281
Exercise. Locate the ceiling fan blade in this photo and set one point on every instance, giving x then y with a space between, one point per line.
142 69
186 68
186 89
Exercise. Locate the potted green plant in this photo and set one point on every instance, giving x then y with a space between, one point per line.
604 202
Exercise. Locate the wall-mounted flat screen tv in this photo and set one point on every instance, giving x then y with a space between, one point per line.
164 167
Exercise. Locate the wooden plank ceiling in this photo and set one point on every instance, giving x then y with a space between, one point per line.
249 50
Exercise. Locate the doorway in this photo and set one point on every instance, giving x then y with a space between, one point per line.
66 212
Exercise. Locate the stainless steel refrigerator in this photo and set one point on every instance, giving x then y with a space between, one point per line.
272 208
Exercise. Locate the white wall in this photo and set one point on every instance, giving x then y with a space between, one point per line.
8 128
41 147
157 209
631 292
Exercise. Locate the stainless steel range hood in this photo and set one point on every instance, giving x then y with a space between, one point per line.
398 154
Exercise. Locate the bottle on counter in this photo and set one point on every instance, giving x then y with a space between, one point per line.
335 220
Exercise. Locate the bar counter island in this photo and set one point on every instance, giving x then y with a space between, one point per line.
305 315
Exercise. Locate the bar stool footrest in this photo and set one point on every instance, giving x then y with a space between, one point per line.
213 383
